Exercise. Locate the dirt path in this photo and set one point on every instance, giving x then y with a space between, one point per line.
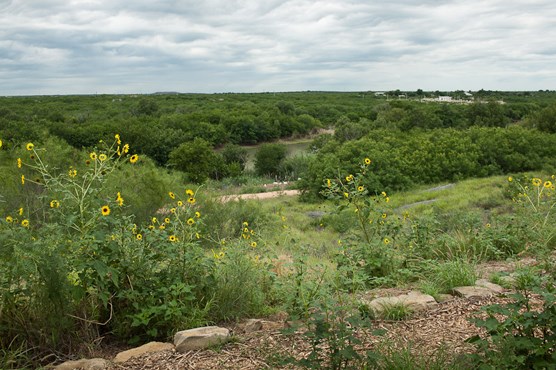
267 195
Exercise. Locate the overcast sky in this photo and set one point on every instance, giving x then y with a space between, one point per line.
144 46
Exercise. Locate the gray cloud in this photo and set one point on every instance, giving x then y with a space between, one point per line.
116 46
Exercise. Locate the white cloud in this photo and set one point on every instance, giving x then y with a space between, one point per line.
55 46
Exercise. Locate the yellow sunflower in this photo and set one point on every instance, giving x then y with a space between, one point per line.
54 204
93 156
102 157
172 195
25 223
119 199
105 210
367 161
172 238
30 146
134 158
139 237
19 163
190 221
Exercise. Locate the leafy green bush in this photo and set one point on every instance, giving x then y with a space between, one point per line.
268 159
197 160
519 335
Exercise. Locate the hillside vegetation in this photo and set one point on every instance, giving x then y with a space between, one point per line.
112 226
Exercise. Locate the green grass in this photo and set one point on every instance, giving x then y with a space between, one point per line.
289 226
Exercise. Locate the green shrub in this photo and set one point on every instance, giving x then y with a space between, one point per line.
518 335
243 284
268 159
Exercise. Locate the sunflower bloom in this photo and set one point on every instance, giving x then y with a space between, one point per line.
0 143
349 178
162 226
384 215
254 244
172 238
328 183
54 204
30 146
139 237
105 210
134 158
360 188
510 179
125 149
20 211
102 157
119 199
22 179
190 221
548 184
191 201
189 193
19 163
386 241
198 214
9 219
117 137
367 161
172 210
93 156
536 182
72 173
167 220
172 195
25 223
180 203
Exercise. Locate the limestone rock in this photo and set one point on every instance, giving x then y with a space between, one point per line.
200 338
85 364
253 325
495 288
146 348
417 301
472 291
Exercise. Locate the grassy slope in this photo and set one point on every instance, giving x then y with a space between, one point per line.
298 230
